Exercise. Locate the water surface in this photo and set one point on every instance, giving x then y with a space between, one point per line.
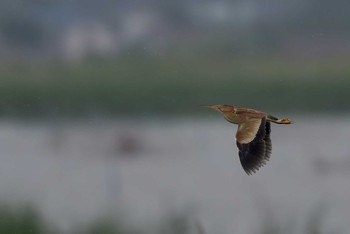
145 169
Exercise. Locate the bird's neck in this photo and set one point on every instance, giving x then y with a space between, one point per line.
231 117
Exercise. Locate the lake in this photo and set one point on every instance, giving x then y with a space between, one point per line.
146 169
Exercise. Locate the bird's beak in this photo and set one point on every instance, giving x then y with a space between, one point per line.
213 107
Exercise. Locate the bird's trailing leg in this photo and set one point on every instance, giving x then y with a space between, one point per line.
279 121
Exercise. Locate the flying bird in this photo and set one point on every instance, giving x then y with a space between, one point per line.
253 134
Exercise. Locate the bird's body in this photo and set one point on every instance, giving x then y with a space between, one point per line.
253 134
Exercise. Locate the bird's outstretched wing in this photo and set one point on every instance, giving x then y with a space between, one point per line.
254 144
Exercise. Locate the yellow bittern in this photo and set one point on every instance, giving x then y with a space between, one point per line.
253 134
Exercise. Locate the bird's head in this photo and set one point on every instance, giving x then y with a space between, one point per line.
221 108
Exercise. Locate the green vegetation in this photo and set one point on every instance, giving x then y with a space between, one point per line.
163 85
24 220
27 221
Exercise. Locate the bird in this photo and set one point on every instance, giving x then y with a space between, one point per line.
253 134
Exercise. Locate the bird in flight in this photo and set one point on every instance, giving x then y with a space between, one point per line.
253 134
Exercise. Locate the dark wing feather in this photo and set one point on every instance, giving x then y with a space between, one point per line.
256 153
267 139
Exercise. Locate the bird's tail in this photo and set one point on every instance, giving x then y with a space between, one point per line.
279 121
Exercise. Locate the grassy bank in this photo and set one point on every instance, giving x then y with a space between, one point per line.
157 85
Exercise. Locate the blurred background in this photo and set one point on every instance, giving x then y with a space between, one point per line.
102 131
